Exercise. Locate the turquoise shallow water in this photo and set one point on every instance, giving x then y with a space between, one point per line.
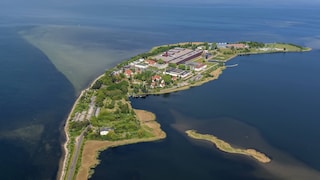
275 97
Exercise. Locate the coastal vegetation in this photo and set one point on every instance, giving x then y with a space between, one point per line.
226 147
103 112
93 147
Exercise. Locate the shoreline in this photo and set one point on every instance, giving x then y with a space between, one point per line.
102 145
216 73
63 161
92 148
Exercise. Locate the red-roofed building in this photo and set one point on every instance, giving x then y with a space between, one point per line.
237 46
150 62
156 78
174 78
128 73
200 67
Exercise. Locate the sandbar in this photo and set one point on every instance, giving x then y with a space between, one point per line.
226 147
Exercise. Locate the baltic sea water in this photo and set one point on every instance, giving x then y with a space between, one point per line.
273 97
35 98
267 102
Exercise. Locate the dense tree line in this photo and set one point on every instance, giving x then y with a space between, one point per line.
144 76
253 44
76 127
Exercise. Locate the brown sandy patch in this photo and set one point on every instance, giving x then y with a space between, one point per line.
92 148
149 119
89 157
145 116
216 73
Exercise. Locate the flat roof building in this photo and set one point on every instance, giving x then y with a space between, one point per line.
177 72
179 55
237 46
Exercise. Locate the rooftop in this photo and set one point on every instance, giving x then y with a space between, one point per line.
178 55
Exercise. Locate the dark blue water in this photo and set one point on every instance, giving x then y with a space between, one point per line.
274 97
272 93
34 99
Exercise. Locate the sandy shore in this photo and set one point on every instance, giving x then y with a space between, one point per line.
92 148
63 161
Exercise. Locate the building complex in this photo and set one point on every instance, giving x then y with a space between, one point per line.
179 55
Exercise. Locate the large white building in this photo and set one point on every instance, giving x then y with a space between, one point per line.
179 55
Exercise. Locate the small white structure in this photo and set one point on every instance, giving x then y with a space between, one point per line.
97 112
200 67
141 65
104 131
162 84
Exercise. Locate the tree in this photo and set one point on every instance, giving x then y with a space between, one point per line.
124 87
173 65
166 78
253 44
136 90
145 75
214 46
182 66
144 89
206 46
100 98
97 84
124 108
160 61
111 105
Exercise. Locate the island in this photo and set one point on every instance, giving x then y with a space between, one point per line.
102 116
226 147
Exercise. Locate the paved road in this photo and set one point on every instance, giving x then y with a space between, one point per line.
75 156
